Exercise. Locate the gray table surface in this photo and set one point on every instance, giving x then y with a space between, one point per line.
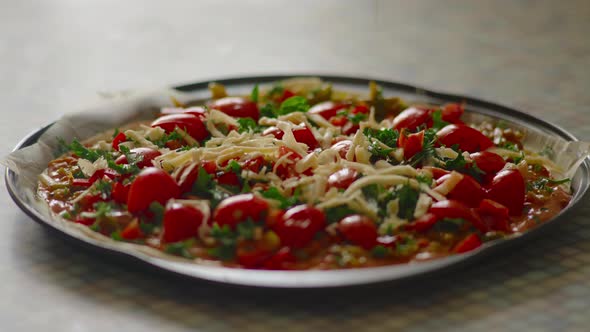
56 56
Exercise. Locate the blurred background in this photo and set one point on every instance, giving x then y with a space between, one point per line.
57 56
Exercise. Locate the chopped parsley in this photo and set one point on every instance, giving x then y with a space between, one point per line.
226 239
180 248
158 212
268 111
254 94
509 146
285 202
380 251
248 124
293 104
461 165
408 198
437 121
376 138
337 213
104 188
544 184
173 136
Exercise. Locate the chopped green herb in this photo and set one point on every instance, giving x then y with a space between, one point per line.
147 228
246 229
406 247
102 209
509 146
408 198
544 184
357 118
293 104
422 178
268 111
276 90
337 213
226 239
104 188
158 211
273 193
180 248
379 251
427 148
81 151
117 236
173 136
437 121
254 94
248 124
203 184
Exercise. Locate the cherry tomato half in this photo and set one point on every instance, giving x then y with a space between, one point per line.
455 209
298 225
151 185
327 109
181 222
342 147
494 214
132 231
412 143
359 230
467 191
411 118
508 189
467 138
146 155
237 107
192 124
301 134
488 162
470 242
452 112
120 138
343 178
236 209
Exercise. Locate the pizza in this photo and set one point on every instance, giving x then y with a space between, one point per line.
299 176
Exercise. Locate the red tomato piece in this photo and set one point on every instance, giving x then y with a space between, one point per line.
299 225
146 155
508 189
236 209
423 224
87 202
488 162
339 121
412 143
411 118
120 193
360 109
120 138
254 164
359 230
199 111
132 231
190 123
102 173
494 214
452 112
151 185
252 258
327 109
84 221
237 107
436 171
301 134
467 138
285 171
467 191
181 222
470 242
228 179
286 95
343 178
280 260
455 209
350 128
342 147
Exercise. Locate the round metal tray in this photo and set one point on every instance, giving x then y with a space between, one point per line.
332 278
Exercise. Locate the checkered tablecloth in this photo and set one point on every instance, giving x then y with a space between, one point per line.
54 56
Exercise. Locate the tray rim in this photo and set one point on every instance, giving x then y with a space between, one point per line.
326 278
